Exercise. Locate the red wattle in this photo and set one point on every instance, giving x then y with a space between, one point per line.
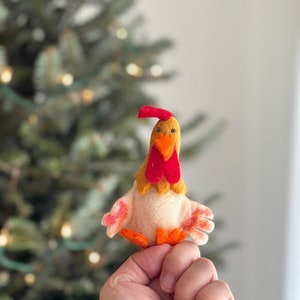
172 168
157 167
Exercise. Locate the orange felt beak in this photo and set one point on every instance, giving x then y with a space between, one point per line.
165 145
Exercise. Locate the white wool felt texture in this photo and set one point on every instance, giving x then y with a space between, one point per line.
152 210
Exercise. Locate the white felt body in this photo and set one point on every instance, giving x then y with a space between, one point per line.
144 213
152 210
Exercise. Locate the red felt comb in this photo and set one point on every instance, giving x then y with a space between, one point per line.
148 111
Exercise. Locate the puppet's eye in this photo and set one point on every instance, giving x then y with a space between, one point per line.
158 129
173 130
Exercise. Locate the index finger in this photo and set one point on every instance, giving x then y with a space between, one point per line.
176 262
141 267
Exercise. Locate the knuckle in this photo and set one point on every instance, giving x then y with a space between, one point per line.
206 263
224 286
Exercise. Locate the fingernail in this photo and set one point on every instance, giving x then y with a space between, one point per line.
167 283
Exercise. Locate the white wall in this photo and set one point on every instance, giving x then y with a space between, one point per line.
236 62
292 280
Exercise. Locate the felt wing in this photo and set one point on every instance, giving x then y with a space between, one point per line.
118 216
198 222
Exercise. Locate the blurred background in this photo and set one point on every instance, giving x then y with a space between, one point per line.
73 75
239 61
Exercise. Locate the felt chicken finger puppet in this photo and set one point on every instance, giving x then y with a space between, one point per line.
156 209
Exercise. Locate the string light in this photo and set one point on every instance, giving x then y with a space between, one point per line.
38 34
67 79
156 70
3 237
6 74
66 230
121 33
94 257
29 279
52 244
87 96
4 278
32 119
39 98
134 70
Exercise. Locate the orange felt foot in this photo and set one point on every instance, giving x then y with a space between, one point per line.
134 237
173 237
161 236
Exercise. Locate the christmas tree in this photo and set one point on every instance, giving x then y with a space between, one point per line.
71 83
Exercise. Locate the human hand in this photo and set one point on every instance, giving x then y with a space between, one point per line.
166 272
